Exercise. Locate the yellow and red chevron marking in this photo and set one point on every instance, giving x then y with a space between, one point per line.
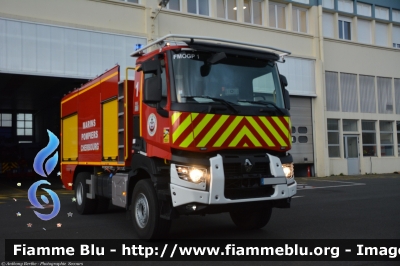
8 166
191 130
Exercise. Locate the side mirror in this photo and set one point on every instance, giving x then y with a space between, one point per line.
283 80
151 66
286 98
152 92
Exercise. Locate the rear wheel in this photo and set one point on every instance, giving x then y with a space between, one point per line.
251 219
145 212
83 204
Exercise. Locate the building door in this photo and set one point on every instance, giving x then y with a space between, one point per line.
351 154
302 129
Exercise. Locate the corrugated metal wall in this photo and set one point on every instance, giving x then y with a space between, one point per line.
300 74
302 128
48 50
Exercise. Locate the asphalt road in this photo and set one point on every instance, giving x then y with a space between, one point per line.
358 207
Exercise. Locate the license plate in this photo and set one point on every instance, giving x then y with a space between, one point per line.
273 181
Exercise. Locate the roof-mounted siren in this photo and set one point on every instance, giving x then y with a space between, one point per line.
138 46
282 57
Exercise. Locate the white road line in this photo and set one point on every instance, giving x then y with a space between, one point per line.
336 181
297 197
351 185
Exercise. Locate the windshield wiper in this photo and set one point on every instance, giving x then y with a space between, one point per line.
263 103
224 102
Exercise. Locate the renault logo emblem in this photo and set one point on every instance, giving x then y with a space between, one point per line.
248 165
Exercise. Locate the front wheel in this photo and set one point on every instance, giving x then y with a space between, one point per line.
145 212
251 219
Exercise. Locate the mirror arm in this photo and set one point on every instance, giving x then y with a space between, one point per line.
161 111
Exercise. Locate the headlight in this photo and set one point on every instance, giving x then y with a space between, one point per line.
192 174
288 169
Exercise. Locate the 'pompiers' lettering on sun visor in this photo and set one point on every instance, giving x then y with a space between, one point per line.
185 56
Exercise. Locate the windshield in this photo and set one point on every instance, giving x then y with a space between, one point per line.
200 77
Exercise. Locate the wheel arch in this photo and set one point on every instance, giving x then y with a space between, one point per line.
80 169
143 167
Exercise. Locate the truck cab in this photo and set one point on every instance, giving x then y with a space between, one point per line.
204 128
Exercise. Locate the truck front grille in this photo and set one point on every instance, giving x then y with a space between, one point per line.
242 184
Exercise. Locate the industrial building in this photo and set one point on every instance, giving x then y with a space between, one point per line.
343 73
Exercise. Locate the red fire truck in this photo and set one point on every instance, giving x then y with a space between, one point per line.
203 128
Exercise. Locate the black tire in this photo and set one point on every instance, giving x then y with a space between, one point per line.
83 204
251 219
145 212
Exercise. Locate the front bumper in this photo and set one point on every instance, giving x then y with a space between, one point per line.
184 193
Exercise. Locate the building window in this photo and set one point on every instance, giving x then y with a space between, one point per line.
396 15
227 9
367 94
327 27
397 95
252 11
299 19
200 7
5 125
344 28
381 34
398 138
302 1
328 4
303 139
348 89
333 138
364 31
24 125
302 130
385 96
5 120
396 36
174 5
369 138
350 125
363 9
386 130
345 6
382 12
277 15
332 91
